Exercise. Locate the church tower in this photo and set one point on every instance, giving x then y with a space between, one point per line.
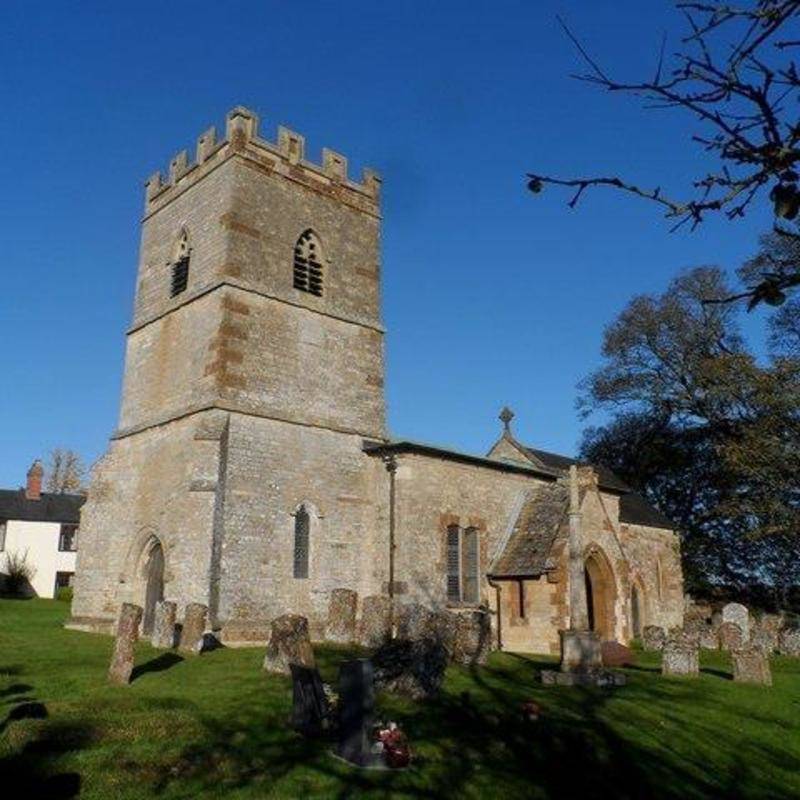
253 373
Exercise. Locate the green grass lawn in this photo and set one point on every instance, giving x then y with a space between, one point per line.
215 726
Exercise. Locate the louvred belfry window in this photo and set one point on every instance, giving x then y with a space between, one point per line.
301 531
463 565
453 564
308 264
180 266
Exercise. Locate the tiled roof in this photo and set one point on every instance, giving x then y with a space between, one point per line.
49 508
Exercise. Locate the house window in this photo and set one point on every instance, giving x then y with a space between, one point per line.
308 264
463 565
301 530
180 266
68 538
3 526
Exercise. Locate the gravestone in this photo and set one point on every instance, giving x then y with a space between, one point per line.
789 642
411 669
751 665
415 622
289 643
310 710
374 628
738 615
473 638
709 638
730 636
195 617
164 624
357 714
653 637
615 654
342 608
680 658
121 667
764 639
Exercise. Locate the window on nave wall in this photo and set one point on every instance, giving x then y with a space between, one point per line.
463 565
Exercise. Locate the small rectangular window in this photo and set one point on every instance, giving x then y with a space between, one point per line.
301 526
68 538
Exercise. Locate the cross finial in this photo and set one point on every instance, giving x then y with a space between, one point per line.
506 415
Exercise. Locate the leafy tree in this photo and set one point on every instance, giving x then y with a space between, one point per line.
735 76
710 435
65 472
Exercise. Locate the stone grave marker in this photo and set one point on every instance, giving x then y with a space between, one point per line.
751 665
342 609
121 667
164 624
289 643
310 710
357 714
653 637
738 615
374 628
789 642
680 658
195 618
730 636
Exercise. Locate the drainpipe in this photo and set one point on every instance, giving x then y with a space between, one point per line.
391 467
496 587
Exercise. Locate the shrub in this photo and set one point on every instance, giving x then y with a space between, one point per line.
19 573
64 594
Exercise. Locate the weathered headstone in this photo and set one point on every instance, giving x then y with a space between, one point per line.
310 710
615 654
164 624
653 637
342 608
789 643
121 667
764 639
709 638
289 643
680 658
473 638
730 636
751 665
739 615
374 627
415 622
357 714
411 669
195 618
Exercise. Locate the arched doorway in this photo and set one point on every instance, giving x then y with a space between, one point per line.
601 595
636 612
154 586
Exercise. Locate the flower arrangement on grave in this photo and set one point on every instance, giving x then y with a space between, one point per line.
530 710
393 744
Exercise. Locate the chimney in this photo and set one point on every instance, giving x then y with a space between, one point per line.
33 488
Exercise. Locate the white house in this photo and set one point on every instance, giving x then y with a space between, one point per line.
43 526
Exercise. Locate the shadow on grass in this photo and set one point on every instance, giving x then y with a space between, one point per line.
159 664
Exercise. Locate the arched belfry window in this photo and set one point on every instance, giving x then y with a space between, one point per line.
302 524
308 264
180 265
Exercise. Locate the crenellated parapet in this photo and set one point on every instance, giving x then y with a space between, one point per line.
285 157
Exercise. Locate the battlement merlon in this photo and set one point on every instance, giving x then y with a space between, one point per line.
287 156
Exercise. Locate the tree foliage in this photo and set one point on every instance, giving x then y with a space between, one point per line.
65 472
735 75
708 433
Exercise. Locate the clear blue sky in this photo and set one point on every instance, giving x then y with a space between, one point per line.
491 296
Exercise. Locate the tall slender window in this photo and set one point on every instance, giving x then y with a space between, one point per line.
3 525
301 529
463 565
308 264
180 265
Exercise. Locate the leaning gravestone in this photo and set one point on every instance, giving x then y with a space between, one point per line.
289 643
738 615
195 617
121 667
310 710
789 642
342 608
653 637
680 658
374 628
751 665
357 714
730 636
164 625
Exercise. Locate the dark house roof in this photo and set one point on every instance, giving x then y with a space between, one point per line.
606 478
49 508
528 548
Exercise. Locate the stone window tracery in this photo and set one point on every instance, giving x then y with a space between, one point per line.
308 264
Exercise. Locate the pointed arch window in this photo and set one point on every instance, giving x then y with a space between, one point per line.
301 541
180 265
308 263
